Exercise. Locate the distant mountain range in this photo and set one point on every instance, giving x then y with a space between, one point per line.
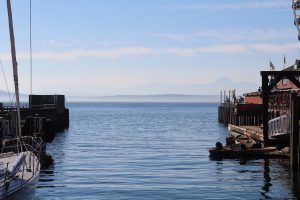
127 98
160 92
173 92
4 97
146 98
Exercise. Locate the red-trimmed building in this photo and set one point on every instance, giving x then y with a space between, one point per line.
286 84
253 98
283 85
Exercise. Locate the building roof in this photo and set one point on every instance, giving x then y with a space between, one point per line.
257 93
295 67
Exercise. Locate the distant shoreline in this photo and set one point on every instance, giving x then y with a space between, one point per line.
163 98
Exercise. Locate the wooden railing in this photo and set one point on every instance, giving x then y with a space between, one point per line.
279 126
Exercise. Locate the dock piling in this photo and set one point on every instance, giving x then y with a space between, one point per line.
294 135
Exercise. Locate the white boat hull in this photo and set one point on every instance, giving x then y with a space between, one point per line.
27 175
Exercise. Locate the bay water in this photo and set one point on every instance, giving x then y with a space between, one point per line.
152 151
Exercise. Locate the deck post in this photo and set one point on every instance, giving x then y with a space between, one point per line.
265 100
221 97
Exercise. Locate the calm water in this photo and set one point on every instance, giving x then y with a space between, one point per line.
152 151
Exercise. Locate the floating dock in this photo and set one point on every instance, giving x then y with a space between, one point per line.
237 152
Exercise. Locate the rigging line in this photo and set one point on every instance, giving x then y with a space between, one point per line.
9 96
30 46
10 100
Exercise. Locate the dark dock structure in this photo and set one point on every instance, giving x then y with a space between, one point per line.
44 116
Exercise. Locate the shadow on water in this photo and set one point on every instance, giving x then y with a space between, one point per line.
26 193
47 162
47 171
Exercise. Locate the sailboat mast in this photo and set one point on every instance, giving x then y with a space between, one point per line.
15 68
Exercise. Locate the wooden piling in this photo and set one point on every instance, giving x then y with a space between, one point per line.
265 115
294 135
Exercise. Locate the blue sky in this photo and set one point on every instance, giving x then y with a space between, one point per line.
108 47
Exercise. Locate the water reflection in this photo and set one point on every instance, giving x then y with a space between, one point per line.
261 173
47 171
27 193
267 179
296 185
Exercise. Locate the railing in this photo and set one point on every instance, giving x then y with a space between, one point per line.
26 106
33 144
279 126
43 106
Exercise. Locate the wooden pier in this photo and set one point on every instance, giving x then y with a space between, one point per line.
275 122
240 114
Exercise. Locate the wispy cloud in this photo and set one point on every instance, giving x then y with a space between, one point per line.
73 54
61 43
273 48
230 35
111 43
265 4
145 51
227 49
55 43
235 49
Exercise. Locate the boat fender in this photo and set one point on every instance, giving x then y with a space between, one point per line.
219 146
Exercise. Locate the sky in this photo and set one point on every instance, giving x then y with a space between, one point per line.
143 47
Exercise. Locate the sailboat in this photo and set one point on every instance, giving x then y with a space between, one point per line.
19 156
